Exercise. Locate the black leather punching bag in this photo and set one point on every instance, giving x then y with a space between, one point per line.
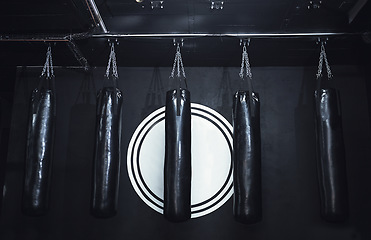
177 169
39 152
247 206
331 156
107 153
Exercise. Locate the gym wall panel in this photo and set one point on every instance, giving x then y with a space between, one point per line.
289 178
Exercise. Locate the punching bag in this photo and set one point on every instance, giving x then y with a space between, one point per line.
177 168
330 156
247 207
39 152
107 153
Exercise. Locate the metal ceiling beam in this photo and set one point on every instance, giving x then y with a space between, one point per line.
356 9
95 14
8 38
59 38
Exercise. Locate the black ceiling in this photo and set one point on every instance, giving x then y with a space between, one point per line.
22 21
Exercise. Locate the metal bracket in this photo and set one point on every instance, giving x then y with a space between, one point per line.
216 5
315 4
113 41
320 40
245 41
157 5
47 43
178 41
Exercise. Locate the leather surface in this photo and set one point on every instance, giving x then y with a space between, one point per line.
107 153
247 205
39 153
177 169
331 156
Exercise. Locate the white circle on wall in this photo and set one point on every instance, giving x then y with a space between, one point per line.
211 152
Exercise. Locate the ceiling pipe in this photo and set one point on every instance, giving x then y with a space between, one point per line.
10 38
80 36
239 35
96 15
69 39
356 9
87 35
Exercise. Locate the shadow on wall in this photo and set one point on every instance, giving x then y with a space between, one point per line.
306 166
80 149
155 94
290 191
6 103
225 95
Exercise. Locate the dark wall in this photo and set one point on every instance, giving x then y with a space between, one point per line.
8 75
290 194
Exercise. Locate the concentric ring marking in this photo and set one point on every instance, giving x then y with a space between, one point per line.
212 180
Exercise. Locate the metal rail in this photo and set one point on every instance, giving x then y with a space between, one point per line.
97 15
71 38
86 35
238 35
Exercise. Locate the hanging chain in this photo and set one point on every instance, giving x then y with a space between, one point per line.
329 73
178 64
322 57
112 59
245 63
48 70
320 63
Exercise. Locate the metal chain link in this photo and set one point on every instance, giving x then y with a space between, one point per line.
174 65
177 61
320 65
51 62
112 58
178 64
114 63
329 73
245 63
322 57
48 70
181 64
